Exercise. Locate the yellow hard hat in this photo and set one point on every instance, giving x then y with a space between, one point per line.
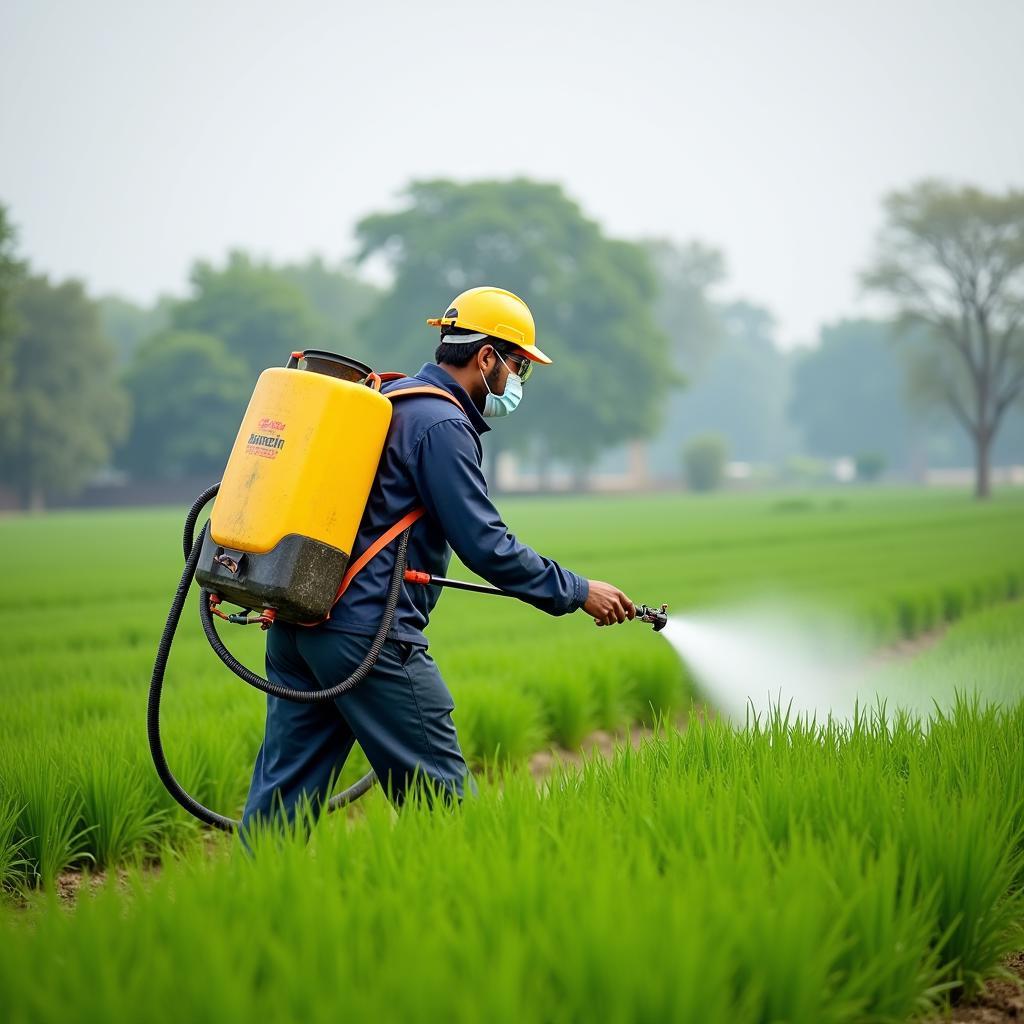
495 312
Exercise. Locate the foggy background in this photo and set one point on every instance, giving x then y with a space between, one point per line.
136 140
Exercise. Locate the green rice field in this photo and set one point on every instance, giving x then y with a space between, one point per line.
869 869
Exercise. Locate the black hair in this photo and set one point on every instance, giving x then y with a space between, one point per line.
460 355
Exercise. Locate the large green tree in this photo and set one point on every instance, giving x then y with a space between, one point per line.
849 393
189 382
591 297
258 314
952 260
67 410
11 272
188 396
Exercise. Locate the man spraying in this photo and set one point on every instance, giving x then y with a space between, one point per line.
401 713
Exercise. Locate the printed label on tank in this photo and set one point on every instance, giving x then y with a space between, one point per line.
265 445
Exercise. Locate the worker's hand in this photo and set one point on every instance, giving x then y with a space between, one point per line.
608 604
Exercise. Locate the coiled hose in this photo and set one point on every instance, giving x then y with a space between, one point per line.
192 548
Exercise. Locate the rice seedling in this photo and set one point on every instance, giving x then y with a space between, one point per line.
612 695
566 698
77 645
780 872
48 830
499 724
118 818
12 864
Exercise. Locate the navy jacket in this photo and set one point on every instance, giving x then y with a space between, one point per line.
432 457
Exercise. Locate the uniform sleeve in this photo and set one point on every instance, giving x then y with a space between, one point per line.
445 465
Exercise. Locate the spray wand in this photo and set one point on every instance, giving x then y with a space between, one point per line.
657 617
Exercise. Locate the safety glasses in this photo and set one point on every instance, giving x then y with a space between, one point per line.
520 365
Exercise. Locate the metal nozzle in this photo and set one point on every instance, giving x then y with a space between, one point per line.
657 617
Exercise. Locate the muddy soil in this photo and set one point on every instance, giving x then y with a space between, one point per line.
1002 1002
599 743
905 650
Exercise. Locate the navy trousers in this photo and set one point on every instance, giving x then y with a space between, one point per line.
400 715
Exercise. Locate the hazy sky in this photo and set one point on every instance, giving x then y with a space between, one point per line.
135 137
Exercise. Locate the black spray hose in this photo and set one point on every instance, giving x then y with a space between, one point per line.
156 684
192 549
188 536
361 671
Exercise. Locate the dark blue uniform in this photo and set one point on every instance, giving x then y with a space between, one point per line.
401 714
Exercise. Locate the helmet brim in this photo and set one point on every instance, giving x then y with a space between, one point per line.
534 354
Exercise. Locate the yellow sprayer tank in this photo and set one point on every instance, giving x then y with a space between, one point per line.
295 486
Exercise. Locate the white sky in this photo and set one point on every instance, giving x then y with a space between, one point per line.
136 137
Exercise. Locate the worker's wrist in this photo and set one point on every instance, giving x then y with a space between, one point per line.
581 591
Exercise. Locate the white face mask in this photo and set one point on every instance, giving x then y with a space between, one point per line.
506 402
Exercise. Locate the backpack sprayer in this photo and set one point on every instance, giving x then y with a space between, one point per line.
315 427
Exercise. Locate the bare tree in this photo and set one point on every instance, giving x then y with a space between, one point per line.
952 259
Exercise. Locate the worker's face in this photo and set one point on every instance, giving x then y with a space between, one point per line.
496 369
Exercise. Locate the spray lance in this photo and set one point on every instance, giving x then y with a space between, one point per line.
272 543
657 617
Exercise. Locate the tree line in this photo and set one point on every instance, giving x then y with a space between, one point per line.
642 348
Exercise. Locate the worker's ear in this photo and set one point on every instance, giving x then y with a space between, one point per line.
486 358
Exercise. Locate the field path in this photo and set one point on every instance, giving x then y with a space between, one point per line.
1001 1003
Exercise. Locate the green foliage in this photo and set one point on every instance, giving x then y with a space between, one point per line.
591 297
190 382
782 872
683 308
13 865
611 694
82 628
704 459
119 821
652 692
976 907
870 466
67 412
568 703
189 395
786 871
804 469
498 724
338 299
952 261
848 393
737 388
12 270
128 324
257 313
48 828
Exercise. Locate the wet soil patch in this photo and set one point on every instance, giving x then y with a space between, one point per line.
1001 1001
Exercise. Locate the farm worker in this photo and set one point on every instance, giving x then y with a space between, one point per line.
401 714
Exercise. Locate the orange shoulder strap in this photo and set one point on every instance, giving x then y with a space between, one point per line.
377 547
426 389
